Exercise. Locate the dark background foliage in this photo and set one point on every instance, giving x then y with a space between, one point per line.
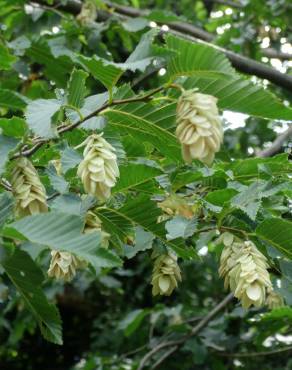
110 320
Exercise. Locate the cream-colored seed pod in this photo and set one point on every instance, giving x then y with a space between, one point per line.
63 265
165 274
29 192
88 13
245 270
99 169
176 205
274 300
199 127
93 223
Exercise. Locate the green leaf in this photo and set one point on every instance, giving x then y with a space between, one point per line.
6 59
245 169
12 100
58 182
6 206
180 227
57 68
6 145
63 232
105 72
249 200
278 233
27 278
211 73
143 241
77 88
135 24
133 175
14 126
220 197
279 313
91 104
132 321
142 52
142 212
70 158
108 73
142 121
72 204
241 95
39 114
192 59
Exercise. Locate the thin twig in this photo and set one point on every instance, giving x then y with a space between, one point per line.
6 185
177 343
183 29
256 354
162 358
63 129
277 144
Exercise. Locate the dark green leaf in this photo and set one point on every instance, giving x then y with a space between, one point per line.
63 232
27 278
77 88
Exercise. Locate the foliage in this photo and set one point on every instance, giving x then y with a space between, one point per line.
64 77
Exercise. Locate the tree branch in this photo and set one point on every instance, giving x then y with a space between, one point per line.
232 4
256 354
240 62
276 145
6 185
63 129
177 343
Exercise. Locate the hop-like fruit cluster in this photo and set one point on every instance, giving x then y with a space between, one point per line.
29 192
99 169
274 300
88 13
245 270
165 275
93 223
175 205
63 265
199 126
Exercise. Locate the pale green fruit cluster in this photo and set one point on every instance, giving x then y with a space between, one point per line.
93 223
29 192
63 265
274 300
99 169
165 275
199 126
245 270
88 13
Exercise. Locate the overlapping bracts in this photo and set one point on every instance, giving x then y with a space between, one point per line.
99 169
165 275
199 128
245 270
64 265
29 192
92 224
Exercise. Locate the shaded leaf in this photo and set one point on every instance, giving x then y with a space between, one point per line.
132 321
63 232
6 145
27 278
77 88
278 233
6 206
180 227
143 241
39 114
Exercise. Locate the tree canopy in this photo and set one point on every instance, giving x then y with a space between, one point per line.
145 184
